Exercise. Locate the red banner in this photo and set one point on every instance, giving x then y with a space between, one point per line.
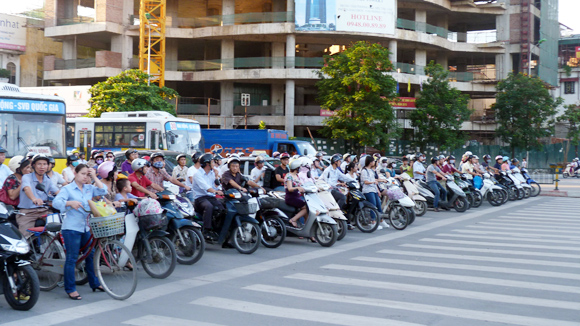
326 113
578 52
404 102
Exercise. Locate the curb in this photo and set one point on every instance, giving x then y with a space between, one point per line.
554 193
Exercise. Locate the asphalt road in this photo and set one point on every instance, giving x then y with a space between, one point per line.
517 264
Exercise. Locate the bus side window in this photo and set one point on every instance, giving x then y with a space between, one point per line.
70 135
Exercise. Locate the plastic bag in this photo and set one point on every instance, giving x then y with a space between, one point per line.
477 182
148 206
101 209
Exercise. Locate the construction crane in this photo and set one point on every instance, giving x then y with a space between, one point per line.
152 15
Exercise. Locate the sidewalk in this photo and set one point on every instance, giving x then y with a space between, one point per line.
566 188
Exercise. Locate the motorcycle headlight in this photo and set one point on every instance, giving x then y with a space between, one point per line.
17 246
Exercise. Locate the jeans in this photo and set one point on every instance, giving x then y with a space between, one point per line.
280 188
73 241
374 199
438 190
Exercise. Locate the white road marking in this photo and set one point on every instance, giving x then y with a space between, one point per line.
531 225
512 238
485 296
456 278
316 316
154 320
506 270
547 215
411 306
498 244
538 229
526 235
525 220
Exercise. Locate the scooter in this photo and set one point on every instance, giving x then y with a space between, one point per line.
456 198
536 189
270 217
473 195
489 190
234 223
514 192
19 282
359 211
517 174
410 188
184 233
521 192
318 224
398 206
334 210
570 173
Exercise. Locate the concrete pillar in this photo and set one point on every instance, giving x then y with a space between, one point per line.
420 20
171 54
228 10
278 55
290 107
123 44
393 51
227 104
172 10
69 48
299 97
290 50
442 59
420 61
503 65
278 6
227 54
290 5
443 21
462 34
277 91
128 11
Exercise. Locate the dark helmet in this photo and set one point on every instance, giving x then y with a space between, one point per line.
195 157
129 152
470 157
217 157
319 154
434 159
486 157
157 154
451 157
71 158
335 158
205 159
515 160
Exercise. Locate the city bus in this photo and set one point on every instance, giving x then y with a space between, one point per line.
118 131
33 123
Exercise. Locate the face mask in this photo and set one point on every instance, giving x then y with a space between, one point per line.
488 161
99 161
452 161
75 163
384 164
158 165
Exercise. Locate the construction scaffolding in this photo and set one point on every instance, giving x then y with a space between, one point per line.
152 14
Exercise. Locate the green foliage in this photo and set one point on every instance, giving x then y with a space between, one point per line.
128 91
524 108
262 125
4 73
441 110
567 70
354 85
572 117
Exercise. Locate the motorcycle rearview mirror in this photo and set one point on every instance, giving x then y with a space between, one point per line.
382 170
40 187
217 182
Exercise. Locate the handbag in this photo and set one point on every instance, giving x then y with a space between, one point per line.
6 200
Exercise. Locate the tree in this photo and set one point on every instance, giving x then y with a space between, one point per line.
572 117
441 110
128 91
524 108
356 87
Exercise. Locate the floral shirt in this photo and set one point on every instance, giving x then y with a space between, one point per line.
11 182
295 181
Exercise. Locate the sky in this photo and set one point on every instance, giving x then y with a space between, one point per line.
569 10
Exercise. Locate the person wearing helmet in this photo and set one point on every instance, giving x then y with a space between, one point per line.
157 173
332 175
98 159
217 163
346 159
54 176
108 173
180 171
109 156
139 182
10 192
68 172
468 168
280 173
418 167
4 170
74 200
433 171
505 166
449 167
204 192
514 163
259 171
31 197
82 159
318 165
192 170
232 178
294 192
130 156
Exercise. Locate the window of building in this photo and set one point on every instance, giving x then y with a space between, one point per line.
12 67
569 87
117 135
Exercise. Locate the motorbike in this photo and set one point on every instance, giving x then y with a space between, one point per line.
473 195
412 191
536 189
397 206
456 198
333 209
318 224
234 223
359 211
570 173
184 233
514 192
494 194
270 217
19 282
521 189
517 175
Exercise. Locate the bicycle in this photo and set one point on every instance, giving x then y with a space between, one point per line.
110 259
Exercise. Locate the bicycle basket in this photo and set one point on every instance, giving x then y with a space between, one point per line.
107 226
152 222
395 193
246 208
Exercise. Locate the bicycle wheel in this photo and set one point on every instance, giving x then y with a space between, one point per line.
191 251
46 256
118 281
163 258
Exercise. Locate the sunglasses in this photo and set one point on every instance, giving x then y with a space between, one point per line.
110 156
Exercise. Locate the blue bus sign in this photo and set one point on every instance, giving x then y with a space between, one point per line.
31 106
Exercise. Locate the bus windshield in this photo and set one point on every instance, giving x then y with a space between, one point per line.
183 137
33 132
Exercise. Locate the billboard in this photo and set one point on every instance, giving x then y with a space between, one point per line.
12 32
365 16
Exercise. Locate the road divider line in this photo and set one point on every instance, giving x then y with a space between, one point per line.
522 235
531 225
513 238
520 229
439 291
495 251
154 320
534 220
315 316
496 244
411 306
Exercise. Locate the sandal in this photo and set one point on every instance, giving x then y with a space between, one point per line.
293 223
100 289
77 297
312 240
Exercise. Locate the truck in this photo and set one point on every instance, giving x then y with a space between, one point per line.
249 141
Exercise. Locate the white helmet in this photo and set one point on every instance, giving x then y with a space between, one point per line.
576 159
295 164
15 163
307 162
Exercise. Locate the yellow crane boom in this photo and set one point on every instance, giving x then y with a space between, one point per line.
152 15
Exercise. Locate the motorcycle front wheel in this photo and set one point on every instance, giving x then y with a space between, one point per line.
536 189
461 204
527 192
191 251
477 199
367 219
163 258
342 227
247 237
399 217
495 197
420 208
325 234
27 288
273 232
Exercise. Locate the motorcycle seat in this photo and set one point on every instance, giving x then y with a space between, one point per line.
53 227
37 229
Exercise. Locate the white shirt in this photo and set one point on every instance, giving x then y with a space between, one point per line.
222 169
68 174
524 164
56 179
343 166
190 174
332 176
418 167
4 173
256 173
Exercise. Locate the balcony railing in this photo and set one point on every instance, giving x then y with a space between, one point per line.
469 37
61 64
74 20
243 63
